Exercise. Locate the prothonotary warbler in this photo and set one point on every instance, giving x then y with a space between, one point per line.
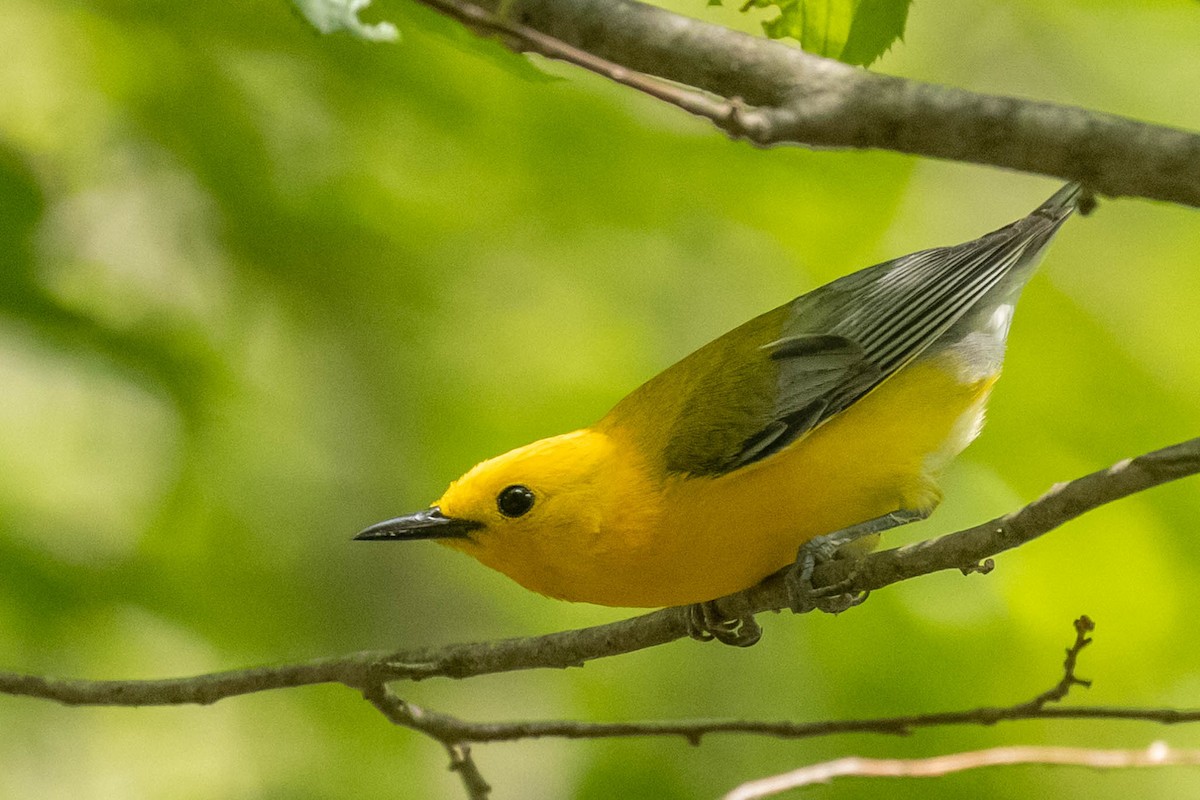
831 414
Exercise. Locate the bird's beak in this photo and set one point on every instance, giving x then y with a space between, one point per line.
428 524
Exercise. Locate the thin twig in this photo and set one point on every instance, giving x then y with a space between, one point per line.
409 716
772 93
1083 626
695 730
447 728
463 763
455 734
1156 755
956 551
528 39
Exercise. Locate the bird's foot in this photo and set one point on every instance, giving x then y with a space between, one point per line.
803 597
855 541
705 622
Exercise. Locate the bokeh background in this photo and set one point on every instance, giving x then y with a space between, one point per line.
260 288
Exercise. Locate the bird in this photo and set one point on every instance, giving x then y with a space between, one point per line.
824 421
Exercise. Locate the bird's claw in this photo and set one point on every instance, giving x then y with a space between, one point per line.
705 622
832 599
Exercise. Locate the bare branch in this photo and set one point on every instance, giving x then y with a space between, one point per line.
1083 626
964 551
409 716
771 93
463 763
453 730
527 39
695 730
1156 755
455 734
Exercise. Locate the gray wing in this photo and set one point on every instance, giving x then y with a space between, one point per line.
842 340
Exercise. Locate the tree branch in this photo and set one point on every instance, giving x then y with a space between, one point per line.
456 734
694 731
409 716
969 550
1156 755
451 730
796 97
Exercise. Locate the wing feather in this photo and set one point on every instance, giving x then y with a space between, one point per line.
840 341
911 302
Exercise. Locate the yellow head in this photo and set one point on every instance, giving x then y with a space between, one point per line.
519 513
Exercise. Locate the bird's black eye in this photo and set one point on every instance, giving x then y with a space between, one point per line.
515 501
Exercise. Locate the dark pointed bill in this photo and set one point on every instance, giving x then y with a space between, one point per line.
428 524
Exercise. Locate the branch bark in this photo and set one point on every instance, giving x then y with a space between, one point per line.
406 715
454 732
456 735
969 550
771 93
1156 755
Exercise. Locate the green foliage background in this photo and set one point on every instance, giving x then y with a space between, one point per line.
260 288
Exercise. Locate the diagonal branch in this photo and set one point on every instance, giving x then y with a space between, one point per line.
1156 755
969 550
796 97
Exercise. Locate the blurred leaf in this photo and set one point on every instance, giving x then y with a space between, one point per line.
853 31
329 16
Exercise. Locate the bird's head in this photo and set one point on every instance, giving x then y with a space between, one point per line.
519 512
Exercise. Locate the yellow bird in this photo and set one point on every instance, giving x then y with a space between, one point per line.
826 419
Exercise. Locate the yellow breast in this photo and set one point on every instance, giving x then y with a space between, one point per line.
718 535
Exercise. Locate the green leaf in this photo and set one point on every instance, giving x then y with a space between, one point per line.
328 16
853 31
877 25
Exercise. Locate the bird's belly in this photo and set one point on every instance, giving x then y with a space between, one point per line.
720 535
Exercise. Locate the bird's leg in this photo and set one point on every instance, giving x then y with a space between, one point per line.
705 622
833 599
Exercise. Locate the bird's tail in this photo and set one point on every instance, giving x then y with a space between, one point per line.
1061 204
1031 234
